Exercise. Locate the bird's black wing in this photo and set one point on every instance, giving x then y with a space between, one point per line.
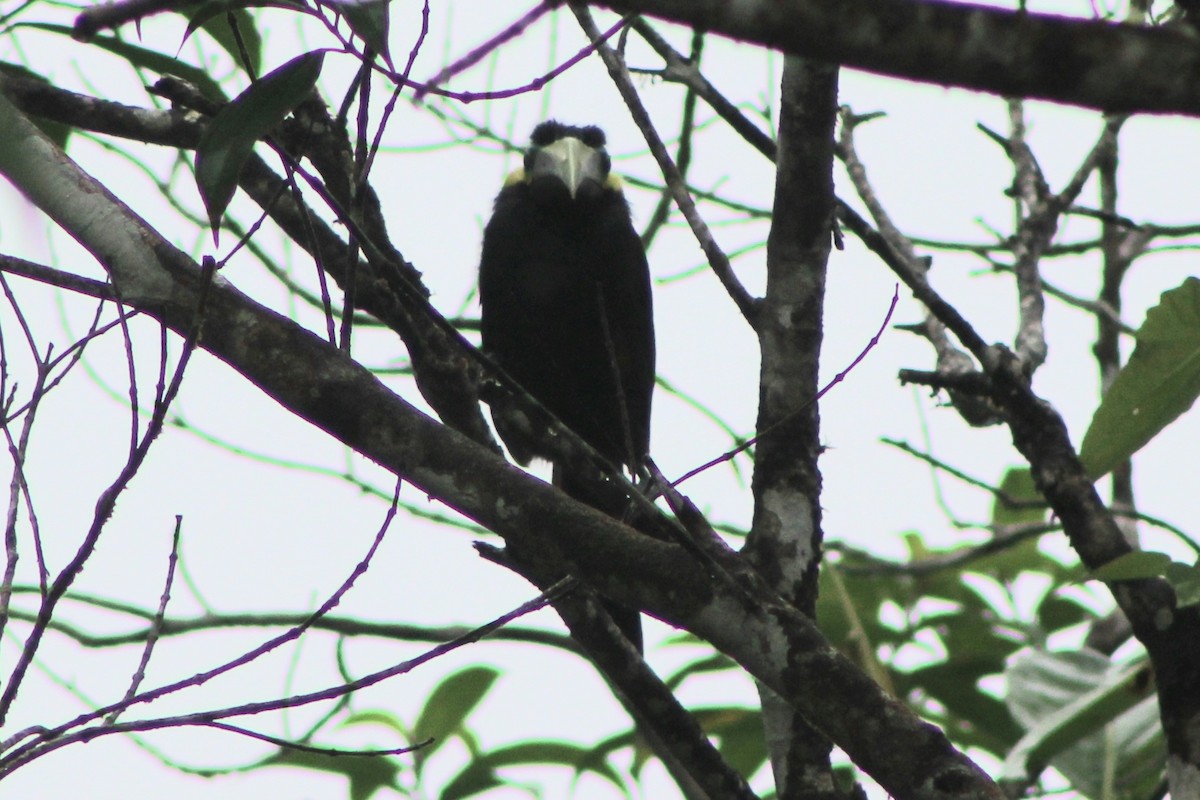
544 283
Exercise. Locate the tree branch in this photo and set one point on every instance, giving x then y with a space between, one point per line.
1104 65
785 538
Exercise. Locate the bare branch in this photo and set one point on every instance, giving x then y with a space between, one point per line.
156 623
48 740
717 259
686 70
1114 67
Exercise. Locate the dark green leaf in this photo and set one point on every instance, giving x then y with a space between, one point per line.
368 19
367 774
1055 613
976 718
232 133
717 662
1160 382
477 777
1006 563
602 751
1017 485
845 777
449 705
1132 566
480 774
740 736
979 641
1185 580
849 603
214 18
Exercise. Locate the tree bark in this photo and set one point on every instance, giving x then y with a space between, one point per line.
1097 64
785 539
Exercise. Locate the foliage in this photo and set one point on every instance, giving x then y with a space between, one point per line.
1160 382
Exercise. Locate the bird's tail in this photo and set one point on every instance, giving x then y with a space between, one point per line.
612 504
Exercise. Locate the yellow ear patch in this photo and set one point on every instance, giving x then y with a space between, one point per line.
614 182
515 177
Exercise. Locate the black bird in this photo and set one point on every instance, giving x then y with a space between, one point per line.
567 311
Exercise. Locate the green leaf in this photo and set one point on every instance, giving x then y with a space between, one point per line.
1006 563
1017 485
1091 720
448 707
1132 566
974 718
1055 612
214 18
232 133
480 774
476 778
367 774
384 718
740 736
141 57
1160 382
605 748
848 610
845 778
1185 580
368 19
717 662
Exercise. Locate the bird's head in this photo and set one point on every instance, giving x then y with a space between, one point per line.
567 164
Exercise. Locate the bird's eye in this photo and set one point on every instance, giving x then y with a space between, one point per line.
546 132
593 137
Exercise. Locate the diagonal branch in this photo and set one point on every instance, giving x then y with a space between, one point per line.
745 302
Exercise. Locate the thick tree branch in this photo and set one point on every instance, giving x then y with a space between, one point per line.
674 733
1104 65
785 537
1170 634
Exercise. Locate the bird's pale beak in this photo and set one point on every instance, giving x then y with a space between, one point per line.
572 163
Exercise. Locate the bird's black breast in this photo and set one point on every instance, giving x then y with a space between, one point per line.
565 292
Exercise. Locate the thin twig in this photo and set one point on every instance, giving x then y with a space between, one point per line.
48 740
746 304
481 52
788 417
104 506
156 623
686 71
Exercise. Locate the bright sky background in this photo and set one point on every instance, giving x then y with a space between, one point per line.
270 539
